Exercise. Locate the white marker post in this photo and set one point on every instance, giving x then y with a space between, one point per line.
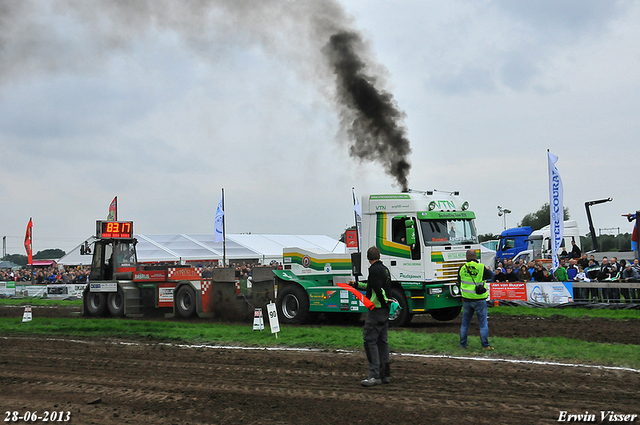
273 319
258 322
27 317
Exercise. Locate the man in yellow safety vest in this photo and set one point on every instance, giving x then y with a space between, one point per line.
471 278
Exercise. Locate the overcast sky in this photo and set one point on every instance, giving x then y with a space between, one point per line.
163 104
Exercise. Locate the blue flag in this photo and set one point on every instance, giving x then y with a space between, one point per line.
219 222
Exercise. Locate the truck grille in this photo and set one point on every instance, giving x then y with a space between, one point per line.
448 271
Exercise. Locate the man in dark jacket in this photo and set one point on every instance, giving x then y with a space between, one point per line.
376 325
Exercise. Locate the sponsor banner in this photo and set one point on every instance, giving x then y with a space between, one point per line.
66 291
103 287
511 291
165 294
51 291
30 290
8 288
185 273
150 276
550 292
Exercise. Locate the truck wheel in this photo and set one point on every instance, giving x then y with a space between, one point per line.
186 301
115 303
96 304
402 316
445 314
293 305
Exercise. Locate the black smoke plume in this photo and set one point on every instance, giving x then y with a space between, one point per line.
371 116
316 37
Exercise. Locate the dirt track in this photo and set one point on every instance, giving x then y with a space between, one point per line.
162 384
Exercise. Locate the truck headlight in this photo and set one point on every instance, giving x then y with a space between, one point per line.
456 290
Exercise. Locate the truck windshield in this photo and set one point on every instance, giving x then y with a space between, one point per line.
126 254
448 232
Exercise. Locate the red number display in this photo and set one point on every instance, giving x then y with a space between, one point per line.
115 229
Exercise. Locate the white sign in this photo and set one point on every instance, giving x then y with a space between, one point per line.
273 318
258 322
26 317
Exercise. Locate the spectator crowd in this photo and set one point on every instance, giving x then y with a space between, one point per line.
48 275
582 269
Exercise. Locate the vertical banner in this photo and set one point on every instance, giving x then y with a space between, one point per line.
28 241
113 210
358 212
219 221
556 209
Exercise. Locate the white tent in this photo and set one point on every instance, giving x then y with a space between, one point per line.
488 256
192 248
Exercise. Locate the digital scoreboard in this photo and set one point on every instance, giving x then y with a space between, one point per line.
114 229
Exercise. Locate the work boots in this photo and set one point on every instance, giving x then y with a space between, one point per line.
385 373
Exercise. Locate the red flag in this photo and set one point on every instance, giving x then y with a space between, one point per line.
28 242
113 210
359 295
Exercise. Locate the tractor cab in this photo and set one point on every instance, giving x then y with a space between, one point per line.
114 252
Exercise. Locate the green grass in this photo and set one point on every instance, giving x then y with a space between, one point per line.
577 313
324 337
38 301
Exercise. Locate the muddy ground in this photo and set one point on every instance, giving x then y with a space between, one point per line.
116 382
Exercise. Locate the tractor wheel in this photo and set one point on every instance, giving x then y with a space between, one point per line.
293 305
402 316
96 303
445 314
185 301
115 303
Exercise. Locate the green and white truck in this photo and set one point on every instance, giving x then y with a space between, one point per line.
423 238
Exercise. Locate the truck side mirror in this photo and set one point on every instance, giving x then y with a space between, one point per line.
85 249
356 265
410 231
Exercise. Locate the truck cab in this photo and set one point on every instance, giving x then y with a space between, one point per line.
423 239
512 241
113 260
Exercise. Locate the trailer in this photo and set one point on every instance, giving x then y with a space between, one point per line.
423 238
120 287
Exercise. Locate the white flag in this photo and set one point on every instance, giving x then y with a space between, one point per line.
219 222
556 209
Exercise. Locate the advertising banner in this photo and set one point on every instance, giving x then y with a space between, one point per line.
550 292
511 291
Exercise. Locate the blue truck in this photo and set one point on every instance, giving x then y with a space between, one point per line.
512 241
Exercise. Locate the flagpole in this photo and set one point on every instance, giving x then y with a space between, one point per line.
224 236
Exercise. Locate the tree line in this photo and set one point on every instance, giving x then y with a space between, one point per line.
47 254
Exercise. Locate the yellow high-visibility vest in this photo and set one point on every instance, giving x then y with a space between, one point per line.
471 274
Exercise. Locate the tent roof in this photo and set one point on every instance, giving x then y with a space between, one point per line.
9 265
183 247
